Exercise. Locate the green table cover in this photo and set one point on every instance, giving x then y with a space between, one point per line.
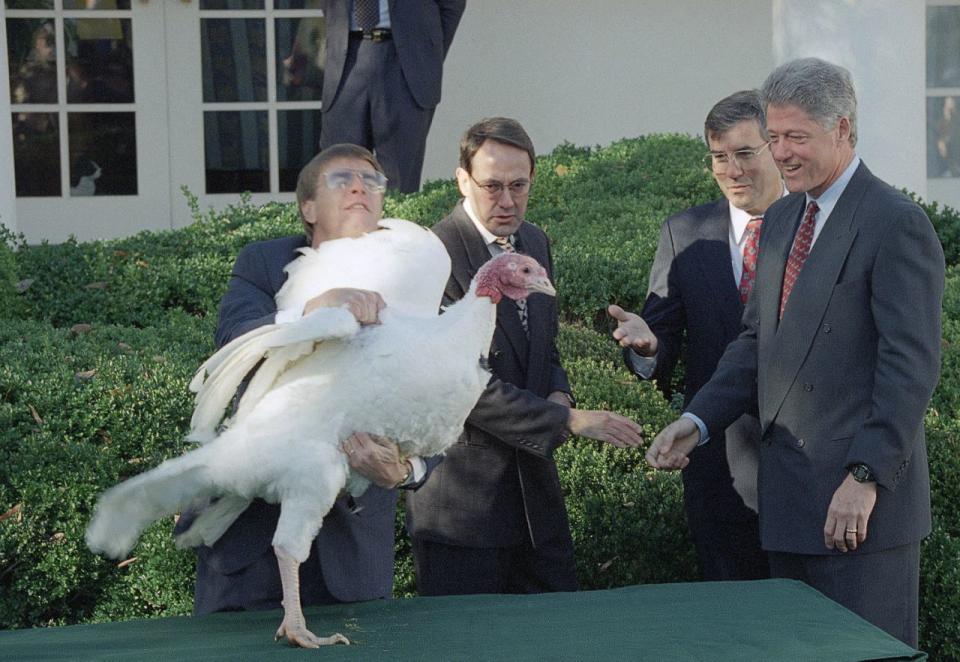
711 621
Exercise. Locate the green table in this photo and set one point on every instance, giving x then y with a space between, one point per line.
765 620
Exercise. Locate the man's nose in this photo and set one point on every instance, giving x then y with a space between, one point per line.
356 183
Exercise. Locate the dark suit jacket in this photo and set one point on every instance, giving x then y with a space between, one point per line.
694 302
355 545
846 376
422 31
498 485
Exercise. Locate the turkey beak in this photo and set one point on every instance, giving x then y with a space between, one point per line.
541 284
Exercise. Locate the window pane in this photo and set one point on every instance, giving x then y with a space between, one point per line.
96 4
235 151
300 44
234 55
32 54
36 154
29 4
298 140
103 153
231 4
99 54
943 46
296 4
943 137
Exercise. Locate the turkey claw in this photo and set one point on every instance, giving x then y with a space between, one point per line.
302 637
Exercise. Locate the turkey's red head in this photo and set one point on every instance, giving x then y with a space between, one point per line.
513 276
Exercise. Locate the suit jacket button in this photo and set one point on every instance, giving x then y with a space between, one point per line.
827 328
800 443
497 354
808 387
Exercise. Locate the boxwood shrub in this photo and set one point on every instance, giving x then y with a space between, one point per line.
99 339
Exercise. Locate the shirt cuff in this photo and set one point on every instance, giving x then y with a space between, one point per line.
288 315
704 437
643 366
419 470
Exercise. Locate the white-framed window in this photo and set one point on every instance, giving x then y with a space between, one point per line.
943 89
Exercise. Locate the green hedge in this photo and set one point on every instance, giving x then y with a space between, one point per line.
96 353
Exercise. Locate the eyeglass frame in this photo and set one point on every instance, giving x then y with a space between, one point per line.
748 154
499 187
379 185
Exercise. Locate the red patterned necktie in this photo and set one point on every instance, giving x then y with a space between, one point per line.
798 253
506 244
750 248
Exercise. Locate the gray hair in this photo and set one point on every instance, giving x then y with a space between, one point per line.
730 111
821 89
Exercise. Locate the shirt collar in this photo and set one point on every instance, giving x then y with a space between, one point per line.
828 199
488 237
739 219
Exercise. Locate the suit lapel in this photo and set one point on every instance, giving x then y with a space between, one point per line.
508 322
714 263
811 293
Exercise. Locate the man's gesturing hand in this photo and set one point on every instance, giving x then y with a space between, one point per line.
633 332
616 430
671 447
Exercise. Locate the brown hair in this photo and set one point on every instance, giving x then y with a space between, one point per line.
500 129
307 179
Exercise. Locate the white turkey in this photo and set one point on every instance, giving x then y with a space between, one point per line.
323 378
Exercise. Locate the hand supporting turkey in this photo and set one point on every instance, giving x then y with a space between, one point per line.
377 458
618 431
362 304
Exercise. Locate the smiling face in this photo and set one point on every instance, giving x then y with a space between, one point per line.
809 156
497 162
344 212
751 185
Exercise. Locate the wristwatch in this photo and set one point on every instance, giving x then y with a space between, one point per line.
861 473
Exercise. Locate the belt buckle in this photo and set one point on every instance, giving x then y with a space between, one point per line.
377 35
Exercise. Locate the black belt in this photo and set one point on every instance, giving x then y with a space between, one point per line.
375 35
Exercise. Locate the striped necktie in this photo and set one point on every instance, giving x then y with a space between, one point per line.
506 244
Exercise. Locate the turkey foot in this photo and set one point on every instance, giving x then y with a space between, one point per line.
294 627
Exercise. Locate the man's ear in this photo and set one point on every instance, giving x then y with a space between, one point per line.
463 181
843 129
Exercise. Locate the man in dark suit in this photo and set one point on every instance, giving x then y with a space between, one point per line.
340 194
840 353
492 519
381 84
700 280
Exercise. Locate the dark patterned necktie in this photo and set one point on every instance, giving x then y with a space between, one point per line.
366 14
506 244
750 249
798 253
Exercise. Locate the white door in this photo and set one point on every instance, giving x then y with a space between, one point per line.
245 79
118 104
89 114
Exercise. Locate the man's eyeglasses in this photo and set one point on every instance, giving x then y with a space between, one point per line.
494 188
742 157
341 179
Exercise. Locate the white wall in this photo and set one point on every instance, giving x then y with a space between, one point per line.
591 73
8 200
882 43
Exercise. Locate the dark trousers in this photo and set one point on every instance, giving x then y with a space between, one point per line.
256 586
880 587
374 108
452 570
729 551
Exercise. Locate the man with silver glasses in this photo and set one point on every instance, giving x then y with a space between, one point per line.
492 518
339 194
700 280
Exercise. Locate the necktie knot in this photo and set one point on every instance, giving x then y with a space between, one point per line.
506 244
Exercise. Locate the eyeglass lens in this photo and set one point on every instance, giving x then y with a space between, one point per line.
373 182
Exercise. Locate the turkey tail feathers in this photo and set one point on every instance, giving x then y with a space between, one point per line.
284 343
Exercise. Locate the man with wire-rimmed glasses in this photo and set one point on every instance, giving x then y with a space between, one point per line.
492 519
700 280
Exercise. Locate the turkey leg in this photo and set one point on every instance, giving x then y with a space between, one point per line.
294 627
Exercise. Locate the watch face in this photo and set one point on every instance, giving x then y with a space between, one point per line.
861 473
